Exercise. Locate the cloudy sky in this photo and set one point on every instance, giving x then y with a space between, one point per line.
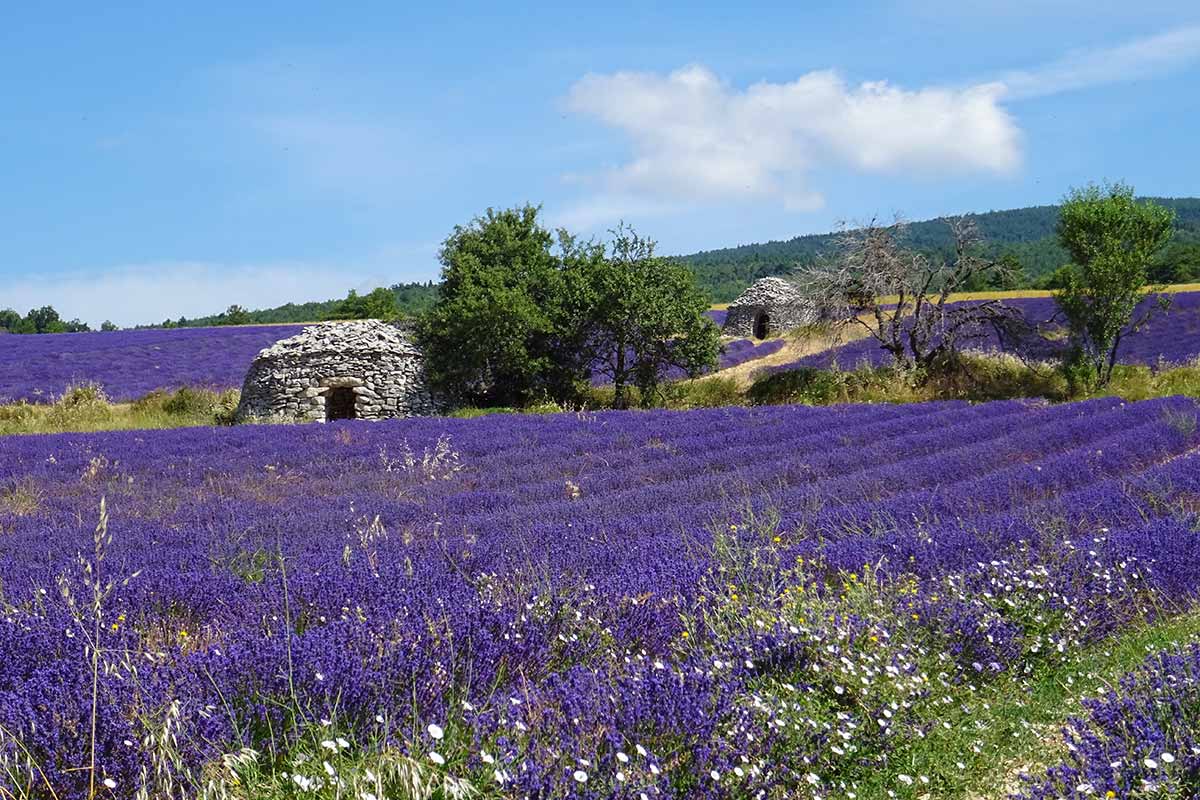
153 165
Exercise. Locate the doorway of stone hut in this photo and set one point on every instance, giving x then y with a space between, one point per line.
762 325
339 403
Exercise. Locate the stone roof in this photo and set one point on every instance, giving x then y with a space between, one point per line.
338 338
768 292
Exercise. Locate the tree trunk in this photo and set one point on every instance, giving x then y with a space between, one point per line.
619 399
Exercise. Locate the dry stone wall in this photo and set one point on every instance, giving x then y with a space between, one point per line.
299 377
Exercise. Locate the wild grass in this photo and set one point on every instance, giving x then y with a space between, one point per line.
977 377
85 407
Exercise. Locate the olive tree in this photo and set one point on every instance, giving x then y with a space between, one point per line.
639 316
901 296
1112 239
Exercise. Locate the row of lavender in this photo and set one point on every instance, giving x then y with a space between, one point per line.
1172 337
130 364
681 604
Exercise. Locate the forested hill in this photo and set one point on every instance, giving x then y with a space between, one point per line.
1026 233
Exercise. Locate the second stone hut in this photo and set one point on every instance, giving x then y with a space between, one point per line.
769 307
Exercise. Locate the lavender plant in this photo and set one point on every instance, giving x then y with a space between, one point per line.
734 602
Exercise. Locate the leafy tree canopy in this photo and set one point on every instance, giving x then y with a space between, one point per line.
1112 240
379 303
489 336
39 320
524 314
639 315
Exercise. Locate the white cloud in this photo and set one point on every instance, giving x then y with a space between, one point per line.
1134 60
153 292
695 138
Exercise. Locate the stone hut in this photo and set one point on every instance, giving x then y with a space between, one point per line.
770 306
363 369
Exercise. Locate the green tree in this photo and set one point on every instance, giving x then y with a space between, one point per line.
107 325
9 320
490 336
1111 239
45 320
639 315
379 303
234 315
1179 262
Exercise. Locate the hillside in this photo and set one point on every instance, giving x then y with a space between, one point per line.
1027 233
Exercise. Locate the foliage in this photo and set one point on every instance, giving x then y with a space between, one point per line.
637 316
1111 239
1025 233
1178 262
39 320
523 315
234 315
411 299
489 339
379 303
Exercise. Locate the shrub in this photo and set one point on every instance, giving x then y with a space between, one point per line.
807 385
708 393
81 404
995 376
19 412
151 402
190 402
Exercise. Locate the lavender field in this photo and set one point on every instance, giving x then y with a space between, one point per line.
1169 338
130 364
733 352
770 602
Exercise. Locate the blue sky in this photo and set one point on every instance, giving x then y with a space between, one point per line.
176 161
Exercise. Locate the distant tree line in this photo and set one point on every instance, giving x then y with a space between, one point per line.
1025 238
408 300
43 320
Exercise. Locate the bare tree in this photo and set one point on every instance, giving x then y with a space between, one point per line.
922 328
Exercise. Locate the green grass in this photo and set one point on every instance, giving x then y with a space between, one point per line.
1016 722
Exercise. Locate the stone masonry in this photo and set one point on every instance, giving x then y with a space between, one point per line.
770 306
363 369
